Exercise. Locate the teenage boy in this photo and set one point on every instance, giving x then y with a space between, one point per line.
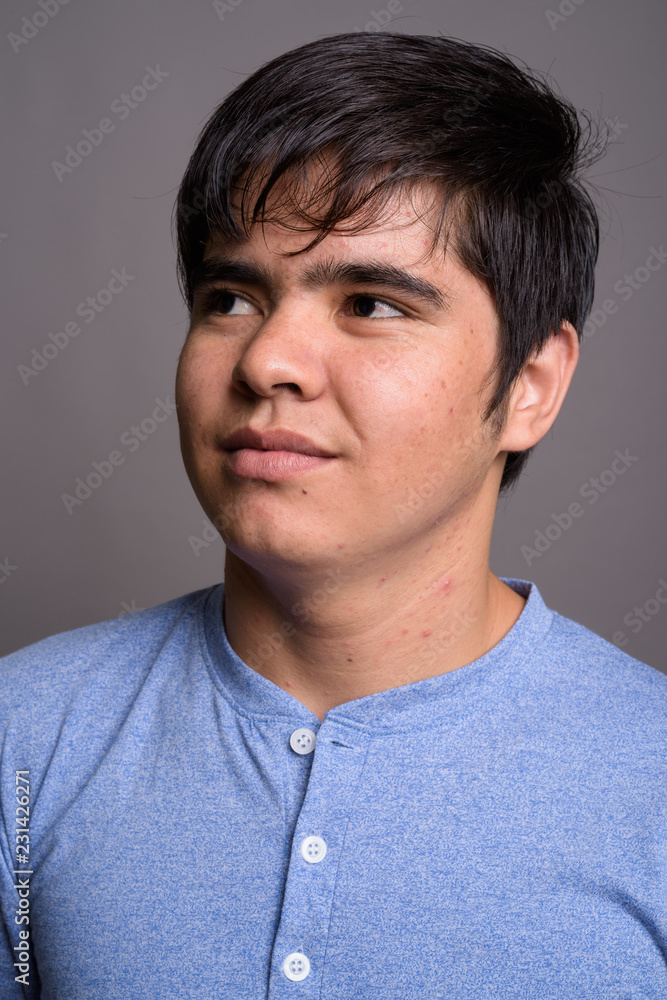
364 766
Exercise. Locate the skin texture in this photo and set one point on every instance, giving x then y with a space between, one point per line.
370 572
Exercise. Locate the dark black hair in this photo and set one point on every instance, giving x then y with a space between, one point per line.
387 112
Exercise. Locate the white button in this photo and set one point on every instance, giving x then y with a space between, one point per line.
302 741
313 849
296 966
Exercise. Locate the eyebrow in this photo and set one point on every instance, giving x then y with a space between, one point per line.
212 270
320 274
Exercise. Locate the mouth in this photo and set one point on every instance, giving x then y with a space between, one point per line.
271 465
272 454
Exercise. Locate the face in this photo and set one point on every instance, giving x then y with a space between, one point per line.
373 350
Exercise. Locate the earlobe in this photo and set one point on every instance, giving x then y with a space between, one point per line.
539 391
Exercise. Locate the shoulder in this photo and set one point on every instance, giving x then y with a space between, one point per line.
600 689
593 659
570 682
62 662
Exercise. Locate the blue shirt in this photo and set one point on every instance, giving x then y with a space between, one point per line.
497 831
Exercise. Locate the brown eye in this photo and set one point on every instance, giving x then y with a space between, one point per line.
223 302
366 305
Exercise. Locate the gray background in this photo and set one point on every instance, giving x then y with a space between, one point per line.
129 544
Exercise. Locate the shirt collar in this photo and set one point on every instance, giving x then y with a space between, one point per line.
433 701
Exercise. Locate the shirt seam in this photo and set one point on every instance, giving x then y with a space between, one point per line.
218 682
476 667
523 658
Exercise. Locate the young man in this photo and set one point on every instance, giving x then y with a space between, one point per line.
364 766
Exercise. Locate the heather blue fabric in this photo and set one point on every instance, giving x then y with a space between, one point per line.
494 832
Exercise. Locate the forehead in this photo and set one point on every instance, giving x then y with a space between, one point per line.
399 232
303 202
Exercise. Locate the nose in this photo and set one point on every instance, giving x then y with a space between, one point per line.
285 354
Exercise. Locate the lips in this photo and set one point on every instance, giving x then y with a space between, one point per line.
277 439
272 455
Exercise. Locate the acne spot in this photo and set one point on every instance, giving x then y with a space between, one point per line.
426 632
451 410
341 545
382 579
349 659
404 631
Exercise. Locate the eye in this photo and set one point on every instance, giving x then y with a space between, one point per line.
366 305
224 302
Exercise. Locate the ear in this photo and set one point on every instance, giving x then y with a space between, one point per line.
539 391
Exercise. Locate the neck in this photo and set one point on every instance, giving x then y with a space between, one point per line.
345 629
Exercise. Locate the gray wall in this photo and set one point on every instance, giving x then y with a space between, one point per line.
129 544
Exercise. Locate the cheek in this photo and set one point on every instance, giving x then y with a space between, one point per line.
418 419
402 395
199 377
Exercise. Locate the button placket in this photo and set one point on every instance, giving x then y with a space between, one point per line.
309 890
